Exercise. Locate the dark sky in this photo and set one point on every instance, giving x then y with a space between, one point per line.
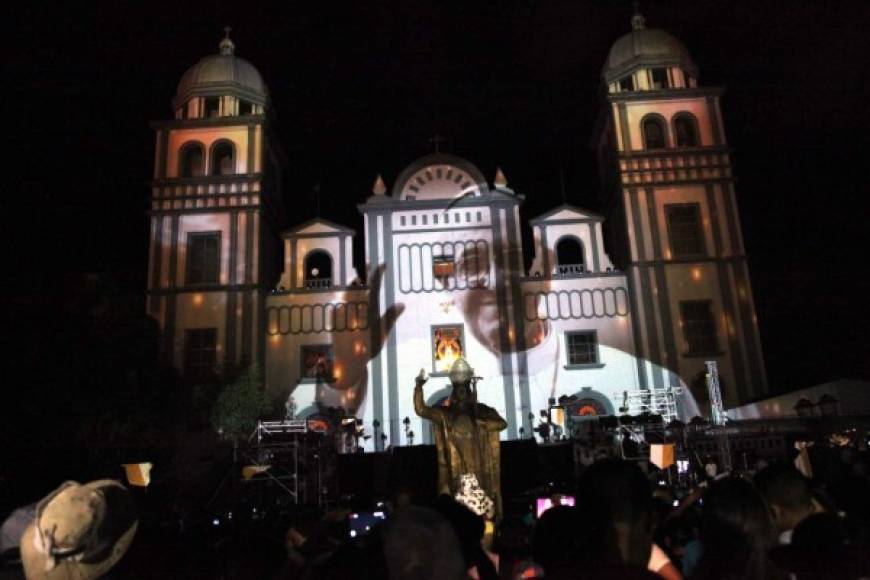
360 87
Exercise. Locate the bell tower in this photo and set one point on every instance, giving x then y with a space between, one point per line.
674 225
215 208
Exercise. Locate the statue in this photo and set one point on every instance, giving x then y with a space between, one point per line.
466 437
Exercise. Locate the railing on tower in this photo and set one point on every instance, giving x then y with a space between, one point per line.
317 283
568 270
685 164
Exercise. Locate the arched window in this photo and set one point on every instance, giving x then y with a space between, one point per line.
653 133
318 269
569 256
190 160
590 403
686 130
589 408
223 158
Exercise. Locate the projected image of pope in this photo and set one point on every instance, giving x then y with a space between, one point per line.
486 321
466 436
479 303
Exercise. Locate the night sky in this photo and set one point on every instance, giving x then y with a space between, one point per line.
359 88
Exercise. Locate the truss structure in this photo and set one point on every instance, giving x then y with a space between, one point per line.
654 401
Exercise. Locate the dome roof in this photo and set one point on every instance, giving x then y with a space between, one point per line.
645 46
222 74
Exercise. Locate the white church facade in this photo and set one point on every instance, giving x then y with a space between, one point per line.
619 329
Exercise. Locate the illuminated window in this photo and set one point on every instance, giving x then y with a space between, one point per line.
212 106
200 352
317 362
223 158
686 130
582 347
203 258
318 269
569 257
684 230
443 266
699 327
447 346
653 133
190 160
588 407
659 78
626 83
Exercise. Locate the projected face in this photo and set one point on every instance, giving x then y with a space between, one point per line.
479 305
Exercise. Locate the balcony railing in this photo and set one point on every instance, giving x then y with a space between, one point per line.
674 165
568 270
317 283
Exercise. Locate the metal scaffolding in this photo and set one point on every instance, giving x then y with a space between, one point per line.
653 401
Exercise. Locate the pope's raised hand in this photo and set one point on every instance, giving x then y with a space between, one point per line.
350 375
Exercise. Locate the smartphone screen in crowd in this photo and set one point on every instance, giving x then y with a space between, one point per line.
545 503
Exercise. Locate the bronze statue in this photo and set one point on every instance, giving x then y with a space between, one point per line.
466 436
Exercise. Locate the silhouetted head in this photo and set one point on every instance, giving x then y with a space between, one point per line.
420 543
736 532
558 535
622 499
787 493
733 506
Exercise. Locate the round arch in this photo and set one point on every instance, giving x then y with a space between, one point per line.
685 130
654 130
308 411
592 403
191 156
439 159
317 269
570 251
222 158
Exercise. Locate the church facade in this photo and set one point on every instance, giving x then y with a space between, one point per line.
627 329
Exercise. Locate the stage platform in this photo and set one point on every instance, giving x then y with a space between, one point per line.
365 478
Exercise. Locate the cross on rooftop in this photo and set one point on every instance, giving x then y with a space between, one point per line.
437 140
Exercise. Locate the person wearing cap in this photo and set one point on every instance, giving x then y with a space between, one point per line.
80 531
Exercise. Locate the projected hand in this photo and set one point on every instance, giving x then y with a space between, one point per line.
348 389
389 318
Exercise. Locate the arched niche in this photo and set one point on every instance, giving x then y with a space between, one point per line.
317 270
